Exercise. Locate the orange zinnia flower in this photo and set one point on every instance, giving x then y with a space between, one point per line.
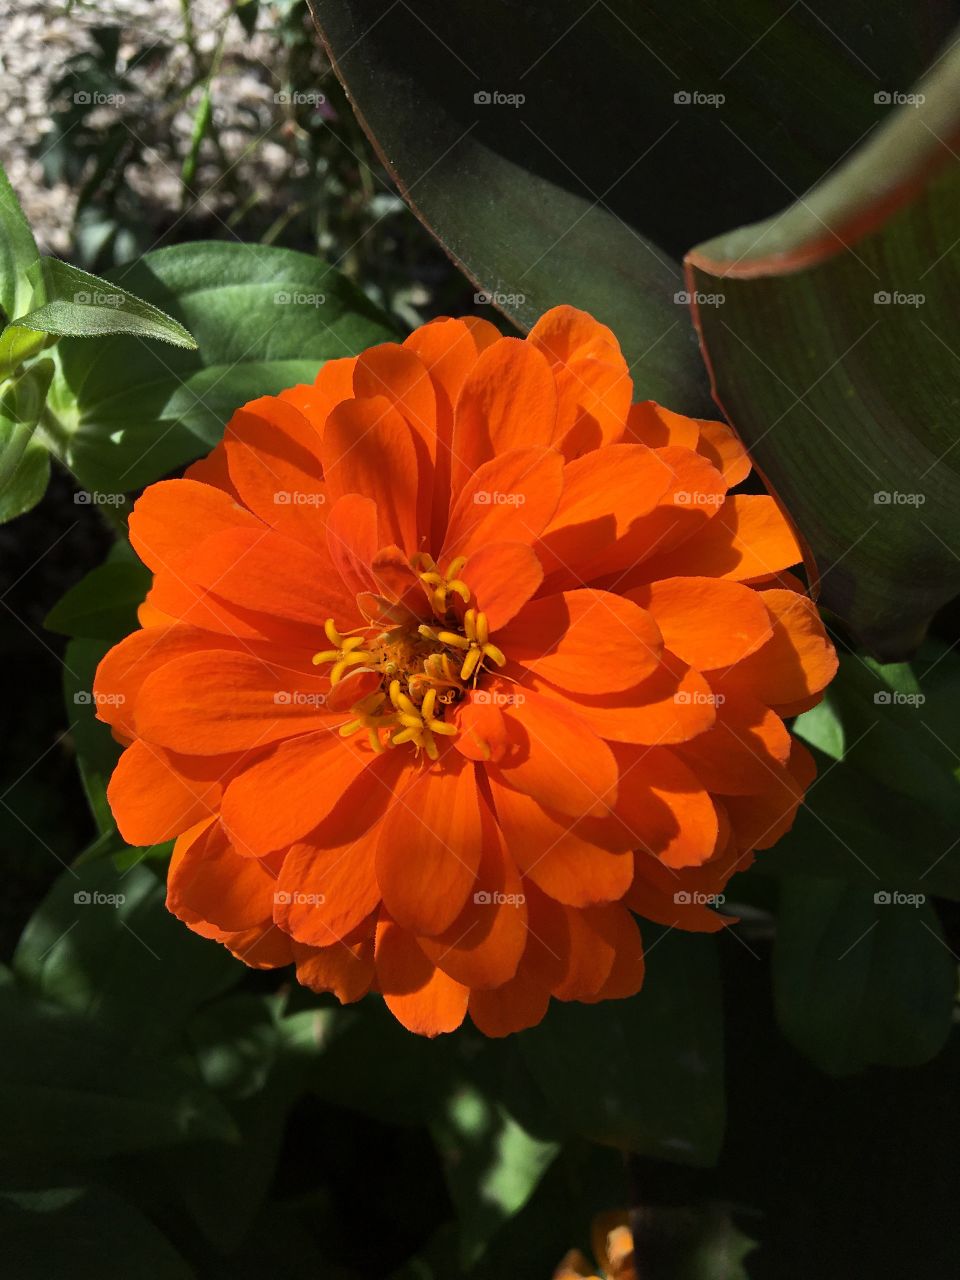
455 660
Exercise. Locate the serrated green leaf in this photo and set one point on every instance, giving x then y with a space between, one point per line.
130 414
86 306
18 252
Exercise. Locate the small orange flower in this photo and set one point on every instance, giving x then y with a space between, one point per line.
455 660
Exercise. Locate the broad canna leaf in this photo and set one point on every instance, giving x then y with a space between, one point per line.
835 355
564 152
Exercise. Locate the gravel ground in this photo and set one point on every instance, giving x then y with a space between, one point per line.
37 37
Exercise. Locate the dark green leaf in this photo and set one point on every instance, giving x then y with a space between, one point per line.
85 1233
602 1065
103 605
103 938
24 466
492 1166
833 357
861 978
86 306
588 189
131 413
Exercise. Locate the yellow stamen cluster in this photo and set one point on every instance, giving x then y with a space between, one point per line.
475 642
421 672
439 585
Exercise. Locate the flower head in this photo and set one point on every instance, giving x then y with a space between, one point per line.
454 662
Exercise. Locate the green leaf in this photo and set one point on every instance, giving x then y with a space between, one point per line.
18 252
87 306
96 748
62 1231
102 938
492 1166
601 1065
832 357
24 465
103 605
130 414
861 978
68 1087
589 189
884 811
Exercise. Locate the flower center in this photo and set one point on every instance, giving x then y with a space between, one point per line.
407 677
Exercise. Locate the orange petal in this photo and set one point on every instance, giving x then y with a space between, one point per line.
556 858
719 443
627 971
590 952
353 541
508 401
263 947
155 795
430 845
420 996
368 448
345 969
661 807
518 1004
215 701
483 731
605 493
586 641
282 798
707 622
502 577
483 946
593 383
273 455
508 499
748 538
556 759
208 883
659 893
796 663
272 574
672 704
743 750
170 518
651 424
213 470
333 384
760 820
